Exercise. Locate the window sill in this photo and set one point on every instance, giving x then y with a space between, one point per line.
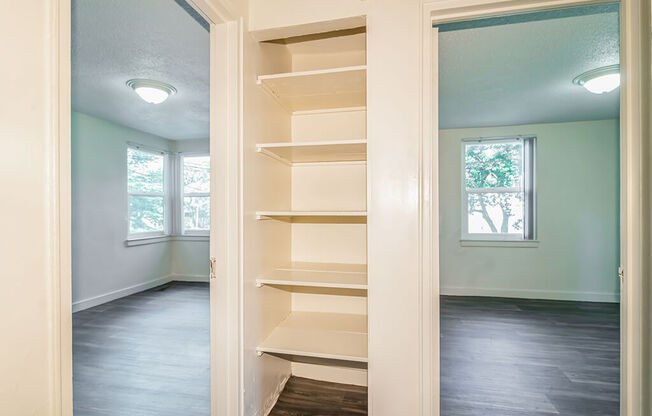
500 243
139 241
190 237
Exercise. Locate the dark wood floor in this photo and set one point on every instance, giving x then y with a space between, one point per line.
148 355
144 355
504 357
305 397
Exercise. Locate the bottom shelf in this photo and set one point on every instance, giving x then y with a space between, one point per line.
336 336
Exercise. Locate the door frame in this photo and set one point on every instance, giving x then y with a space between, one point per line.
226 106
634 138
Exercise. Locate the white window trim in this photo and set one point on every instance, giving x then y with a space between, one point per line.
182 195
529 177
173 201
140 241
150 235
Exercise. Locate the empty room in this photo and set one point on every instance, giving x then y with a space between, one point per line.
140 208
529 213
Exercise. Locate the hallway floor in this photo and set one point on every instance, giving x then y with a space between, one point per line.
144 355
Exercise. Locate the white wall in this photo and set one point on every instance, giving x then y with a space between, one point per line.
577 181
103 267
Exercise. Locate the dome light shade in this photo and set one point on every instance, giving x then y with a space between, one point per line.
600 80
153 92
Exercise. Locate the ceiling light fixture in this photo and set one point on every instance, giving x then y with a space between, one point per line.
600 80
153 92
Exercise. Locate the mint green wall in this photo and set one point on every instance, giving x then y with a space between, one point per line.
577 218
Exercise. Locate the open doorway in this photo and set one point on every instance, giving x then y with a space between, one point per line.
529 211
140 208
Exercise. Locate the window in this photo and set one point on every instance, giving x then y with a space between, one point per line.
146 189
196 194
498 189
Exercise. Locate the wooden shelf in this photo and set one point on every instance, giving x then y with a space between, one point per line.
335 336
318 151
356 217
319 89
315 279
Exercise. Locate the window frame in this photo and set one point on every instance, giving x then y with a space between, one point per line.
165 195
528 187
182 194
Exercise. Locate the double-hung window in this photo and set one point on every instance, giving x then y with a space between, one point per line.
195 191
498 197
146 186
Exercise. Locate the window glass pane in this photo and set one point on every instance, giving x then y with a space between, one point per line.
495 213
146 214
196 213
493 165
196 174
145 171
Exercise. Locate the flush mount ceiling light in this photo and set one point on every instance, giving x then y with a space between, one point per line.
600 80
153 92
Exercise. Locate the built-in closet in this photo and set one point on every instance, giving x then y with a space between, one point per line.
305 213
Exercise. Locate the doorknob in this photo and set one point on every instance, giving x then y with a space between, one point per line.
211 264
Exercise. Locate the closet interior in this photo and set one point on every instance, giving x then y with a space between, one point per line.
307 235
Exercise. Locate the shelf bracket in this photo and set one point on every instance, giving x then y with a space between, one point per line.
274 156
260 284
259 353
274 95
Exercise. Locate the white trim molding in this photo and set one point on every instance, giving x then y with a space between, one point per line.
271 400
532 294
120 293
204 278
500 243
165 238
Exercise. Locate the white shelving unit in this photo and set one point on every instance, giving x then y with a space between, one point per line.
315 152
334 336
319 89
313 300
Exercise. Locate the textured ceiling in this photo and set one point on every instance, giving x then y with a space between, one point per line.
522 73
116 40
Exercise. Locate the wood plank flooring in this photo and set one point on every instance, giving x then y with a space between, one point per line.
306 397
144 355
148 355
504 357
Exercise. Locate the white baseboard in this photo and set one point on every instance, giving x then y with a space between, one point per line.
190 277
120 293
271 401
532 294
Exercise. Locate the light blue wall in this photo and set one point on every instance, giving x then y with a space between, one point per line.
577 218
